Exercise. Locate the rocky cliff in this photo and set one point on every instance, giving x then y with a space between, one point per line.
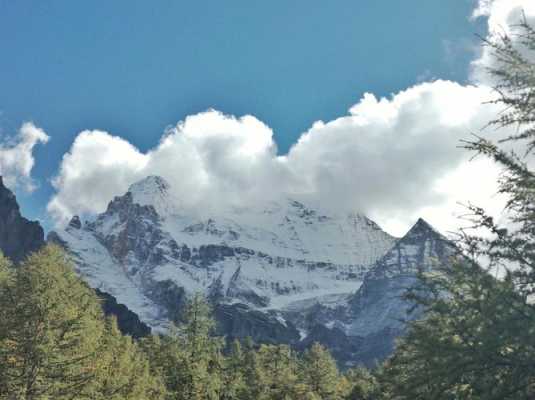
18 236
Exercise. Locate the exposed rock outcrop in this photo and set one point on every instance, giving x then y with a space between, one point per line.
18 236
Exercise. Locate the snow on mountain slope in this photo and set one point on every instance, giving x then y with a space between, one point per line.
100 271
367 322
266 258
422 249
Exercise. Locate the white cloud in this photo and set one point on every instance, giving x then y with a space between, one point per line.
211 160
391 157
97 167
16 156
395 159
384 159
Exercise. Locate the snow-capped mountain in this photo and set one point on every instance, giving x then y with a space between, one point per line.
278 272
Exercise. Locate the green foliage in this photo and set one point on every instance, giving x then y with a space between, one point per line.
51 330
234 384
363 384
55 343
319 373
190 359
475 343
126 371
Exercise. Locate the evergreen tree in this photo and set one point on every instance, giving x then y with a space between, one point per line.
362 385
252 371
234 385
55 342
126 373
276 371
51 331
319 372
166 357
189 358
6 285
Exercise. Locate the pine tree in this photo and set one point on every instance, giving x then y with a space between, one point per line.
189 358
6 285
319 372
252 371
166 357
51 332
276 371
362 385
126 373
234 385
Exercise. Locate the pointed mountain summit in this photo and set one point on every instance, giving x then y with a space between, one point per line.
421 248
150 186
378 308
18 236
154 191
422 230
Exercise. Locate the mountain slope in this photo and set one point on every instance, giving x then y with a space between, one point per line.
281 272
369 321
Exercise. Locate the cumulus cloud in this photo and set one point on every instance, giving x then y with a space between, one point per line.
16 156
97 167
383 159
211 159
389 157
394 159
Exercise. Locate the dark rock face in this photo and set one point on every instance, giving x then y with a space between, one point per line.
171 297
18 236
140 233
75 222
128 322
345 349
238 321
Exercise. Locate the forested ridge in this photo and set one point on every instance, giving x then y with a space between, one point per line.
475 341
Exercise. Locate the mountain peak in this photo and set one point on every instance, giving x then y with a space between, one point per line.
149 184
153 191
420 228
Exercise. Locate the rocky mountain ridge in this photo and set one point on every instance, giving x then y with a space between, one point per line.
280 273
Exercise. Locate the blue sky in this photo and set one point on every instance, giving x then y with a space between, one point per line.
132 68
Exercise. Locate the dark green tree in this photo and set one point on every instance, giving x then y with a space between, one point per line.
362 385
189 358
51 331
126 372
234 385
319 373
